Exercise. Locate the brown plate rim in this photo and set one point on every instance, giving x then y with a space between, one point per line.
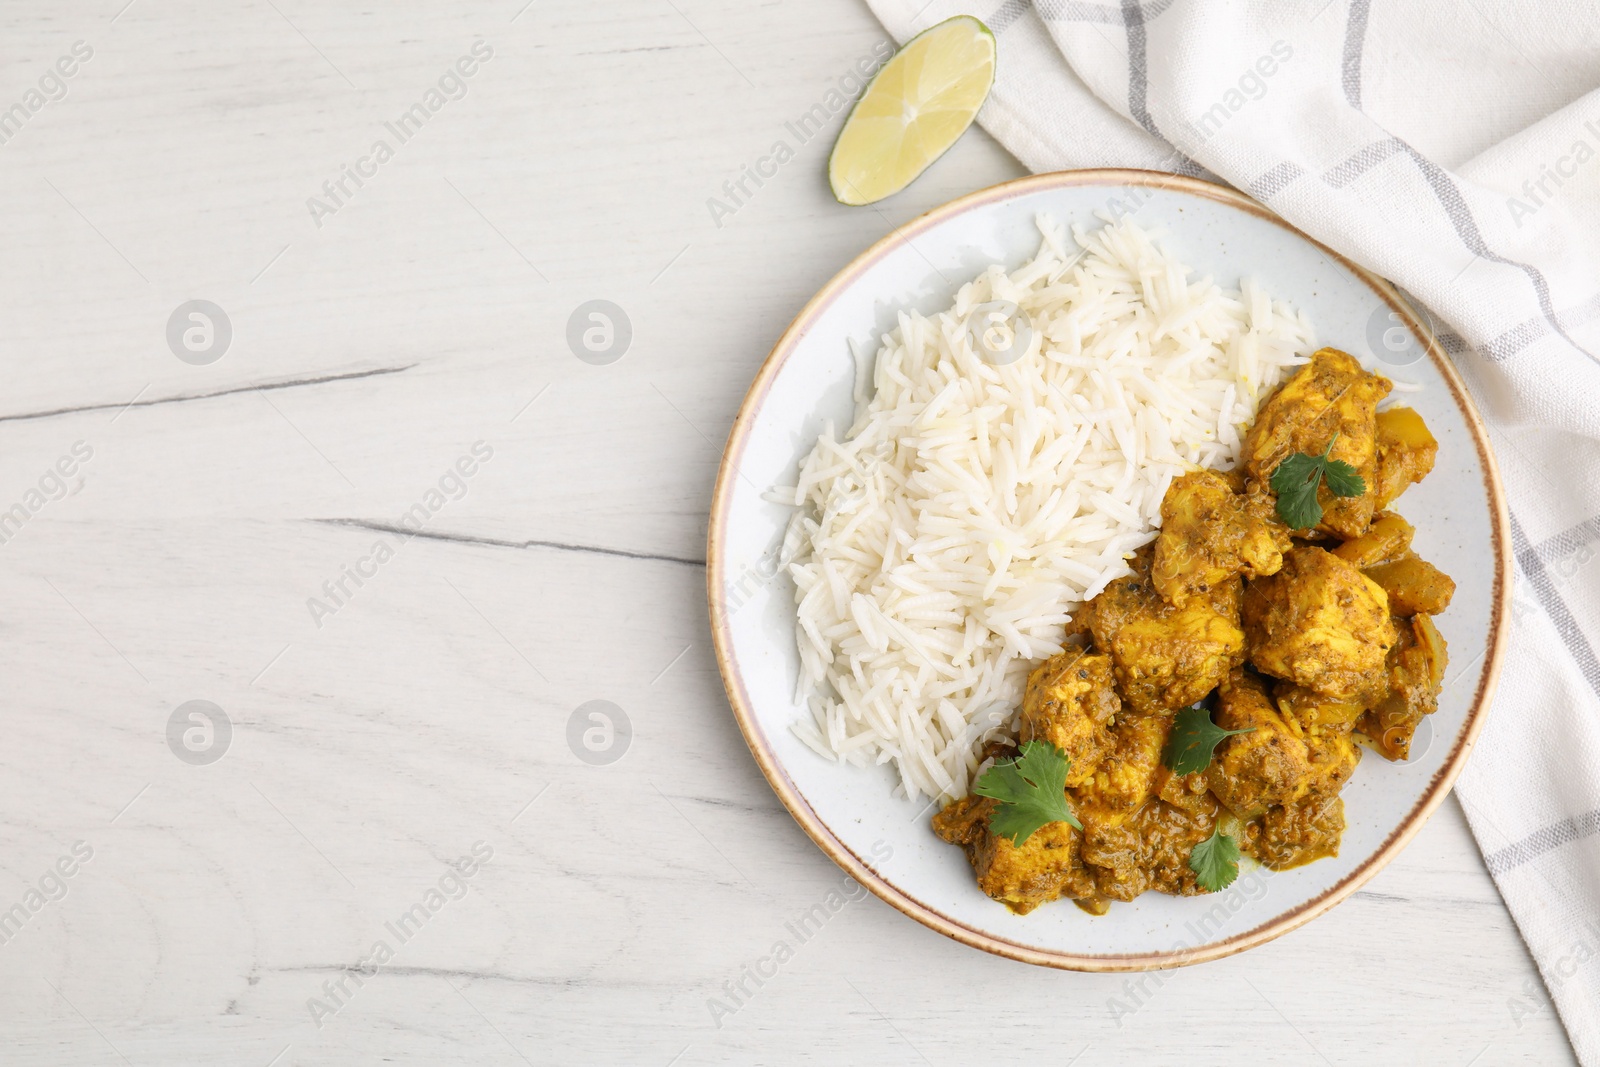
902 900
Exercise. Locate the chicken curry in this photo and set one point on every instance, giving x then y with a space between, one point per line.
1299 643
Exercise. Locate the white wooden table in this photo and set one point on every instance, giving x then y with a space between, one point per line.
386 730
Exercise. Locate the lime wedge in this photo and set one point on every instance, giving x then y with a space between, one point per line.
916 107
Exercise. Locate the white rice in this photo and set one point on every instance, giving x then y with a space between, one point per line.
941 544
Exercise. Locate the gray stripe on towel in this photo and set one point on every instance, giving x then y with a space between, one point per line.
1541 841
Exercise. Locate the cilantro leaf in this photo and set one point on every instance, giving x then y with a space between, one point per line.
1342 478
1031 790
1296 479
1295 482
1193 739
1216 861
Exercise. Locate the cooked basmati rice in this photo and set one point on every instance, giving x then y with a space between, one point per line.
941 544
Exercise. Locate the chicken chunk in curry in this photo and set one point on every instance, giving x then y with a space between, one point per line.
1270 764
1126 779
1330 400
1320 623
1072 702
1416 671
1165 656
1210 534
1149 850
1043 868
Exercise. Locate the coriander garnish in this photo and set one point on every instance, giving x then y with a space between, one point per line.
1193 739
1031 790
1296 480
1215 861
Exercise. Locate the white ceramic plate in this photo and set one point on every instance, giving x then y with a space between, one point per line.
886 842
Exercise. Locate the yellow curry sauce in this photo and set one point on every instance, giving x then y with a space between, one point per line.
1310 638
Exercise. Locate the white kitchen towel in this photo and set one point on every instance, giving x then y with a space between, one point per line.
1452 146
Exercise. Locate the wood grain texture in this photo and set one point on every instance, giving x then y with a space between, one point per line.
375 745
